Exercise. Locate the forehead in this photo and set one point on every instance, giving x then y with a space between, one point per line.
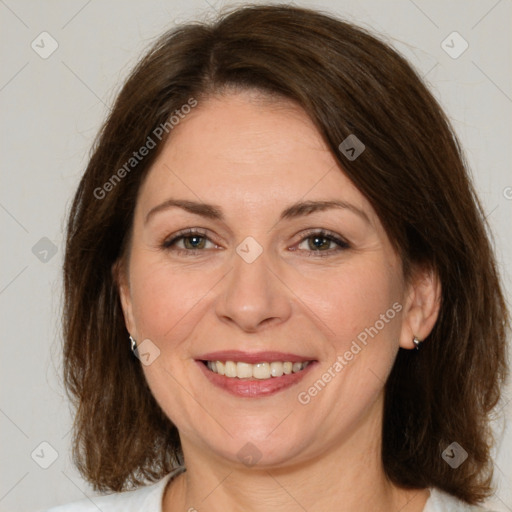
246 150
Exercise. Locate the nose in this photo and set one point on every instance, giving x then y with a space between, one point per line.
253 296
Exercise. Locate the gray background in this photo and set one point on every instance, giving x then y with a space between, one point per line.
51 110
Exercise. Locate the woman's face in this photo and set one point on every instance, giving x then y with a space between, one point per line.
258 265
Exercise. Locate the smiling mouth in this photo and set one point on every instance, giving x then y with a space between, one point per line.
262 370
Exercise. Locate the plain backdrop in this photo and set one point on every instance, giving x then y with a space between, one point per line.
51 109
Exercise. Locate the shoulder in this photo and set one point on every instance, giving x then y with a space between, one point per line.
144 499
440 501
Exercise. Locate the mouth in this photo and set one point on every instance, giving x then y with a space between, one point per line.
261 370
254 375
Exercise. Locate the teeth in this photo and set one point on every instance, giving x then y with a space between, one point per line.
297 367
276 369
230 369
262 370
243 370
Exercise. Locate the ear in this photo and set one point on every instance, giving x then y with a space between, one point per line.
421 307
120 276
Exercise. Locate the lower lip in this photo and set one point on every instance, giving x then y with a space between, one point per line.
254 388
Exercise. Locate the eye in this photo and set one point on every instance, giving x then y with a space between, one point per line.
193 241
322 243
188 241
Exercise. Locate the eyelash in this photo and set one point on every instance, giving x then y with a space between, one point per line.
319 233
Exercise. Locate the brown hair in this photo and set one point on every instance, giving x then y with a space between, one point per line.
413 173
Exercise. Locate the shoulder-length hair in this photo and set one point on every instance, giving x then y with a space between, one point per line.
413 173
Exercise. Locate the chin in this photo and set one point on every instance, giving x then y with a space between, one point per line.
256 448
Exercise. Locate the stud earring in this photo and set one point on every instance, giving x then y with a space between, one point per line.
134 344
417 342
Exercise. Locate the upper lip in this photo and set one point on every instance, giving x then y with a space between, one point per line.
253 357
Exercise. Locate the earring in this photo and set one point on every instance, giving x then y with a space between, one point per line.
134 344
417 342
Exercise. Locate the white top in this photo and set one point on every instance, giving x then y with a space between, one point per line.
149 499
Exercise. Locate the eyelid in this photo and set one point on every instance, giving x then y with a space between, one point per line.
341 242
169 240
331 235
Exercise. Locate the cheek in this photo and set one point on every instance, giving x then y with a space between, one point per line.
345 301
358 308
164 299
355 300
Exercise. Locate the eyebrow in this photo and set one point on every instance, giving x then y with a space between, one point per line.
213 212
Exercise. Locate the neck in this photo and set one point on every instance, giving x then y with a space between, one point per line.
348 477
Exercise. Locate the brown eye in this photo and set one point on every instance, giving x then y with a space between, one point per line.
318 242
194 242
188 242
322 242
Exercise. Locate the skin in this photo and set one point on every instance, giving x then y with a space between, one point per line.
253 158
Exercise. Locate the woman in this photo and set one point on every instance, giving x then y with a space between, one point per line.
307 287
